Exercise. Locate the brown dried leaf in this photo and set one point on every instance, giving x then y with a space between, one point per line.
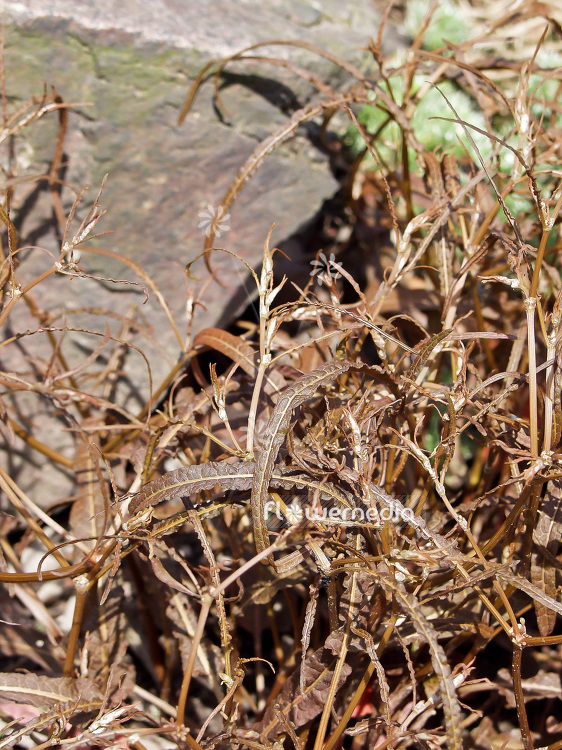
210 659
166 578
307 626
21 643
411 606
533 591
301 708
233 347
277 428
46 692
87 518
106 646
542 685
359 609
189 480
384 689
548 534
46 719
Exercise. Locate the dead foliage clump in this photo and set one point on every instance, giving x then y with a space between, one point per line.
337 524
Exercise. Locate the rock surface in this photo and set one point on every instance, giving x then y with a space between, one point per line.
127 65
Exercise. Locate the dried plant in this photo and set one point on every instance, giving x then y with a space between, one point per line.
347 532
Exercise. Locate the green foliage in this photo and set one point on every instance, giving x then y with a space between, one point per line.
447 23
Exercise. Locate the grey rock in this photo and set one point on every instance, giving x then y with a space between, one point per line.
128 65
133 62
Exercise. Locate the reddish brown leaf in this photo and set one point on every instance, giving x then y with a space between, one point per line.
45 692
547 534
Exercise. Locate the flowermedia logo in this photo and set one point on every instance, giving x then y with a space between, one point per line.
213 221
295 513
321 269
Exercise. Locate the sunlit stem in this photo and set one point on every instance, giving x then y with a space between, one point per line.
530 307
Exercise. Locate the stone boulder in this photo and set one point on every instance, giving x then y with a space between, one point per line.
127 66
